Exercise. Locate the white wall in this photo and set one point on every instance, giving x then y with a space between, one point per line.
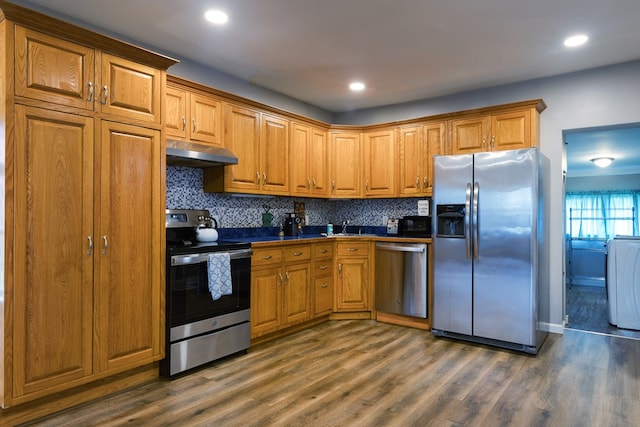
604 183
598 97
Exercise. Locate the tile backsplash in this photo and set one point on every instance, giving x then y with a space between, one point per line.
184 191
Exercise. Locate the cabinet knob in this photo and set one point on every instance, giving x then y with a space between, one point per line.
105 91
90 97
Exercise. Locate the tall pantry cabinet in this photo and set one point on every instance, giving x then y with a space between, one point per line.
83 284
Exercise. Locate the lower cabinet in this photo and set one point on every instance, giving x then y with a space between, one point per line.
352 278
93 306
322 279
280 288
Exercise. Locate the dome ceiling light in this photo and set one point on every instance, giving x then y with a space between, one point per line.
576 40
602 162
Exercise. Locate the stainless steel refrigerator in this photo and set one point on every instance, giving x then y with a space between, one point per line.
490 273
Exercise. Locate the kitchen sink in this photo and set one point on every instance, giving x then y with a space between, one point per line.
352 235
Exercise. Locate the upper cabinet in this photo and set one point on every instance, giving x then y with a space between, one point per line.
308 161
345 164
417 146
61 72
261 142
505 128
379 163
193 116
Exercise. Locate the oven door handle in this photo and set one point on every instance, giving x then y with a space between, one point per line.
198 258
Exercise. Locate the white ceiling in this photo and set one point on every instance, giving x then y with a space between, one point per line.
403 50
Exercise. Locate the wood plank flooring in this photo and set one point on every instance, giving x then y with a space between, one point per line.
364 373
588 311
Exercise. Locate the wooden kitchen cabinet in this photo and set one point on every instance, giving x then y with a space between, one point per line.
516 126
193 116
261 143
322 278
345 164
84 277
280 288
71 74
417 146
308 161
97 283
379 163
352 277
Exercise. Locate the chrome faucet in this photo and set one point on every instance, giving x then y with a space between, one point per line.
344 227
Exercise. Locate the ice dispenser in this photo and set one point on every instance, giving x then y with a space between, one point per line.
450 220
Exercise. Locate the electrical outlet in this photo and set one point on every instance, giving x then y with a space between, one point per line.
384 219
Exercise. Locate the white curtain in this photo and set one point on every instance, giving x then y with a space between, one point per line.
602 215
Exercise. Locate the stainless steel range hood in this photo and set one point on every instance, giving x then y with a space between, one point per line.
193 154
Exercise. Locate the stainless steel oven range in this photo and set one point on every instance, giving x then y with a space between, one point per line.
202 325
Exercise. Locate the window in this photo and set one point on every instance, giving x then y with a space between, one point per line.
602 215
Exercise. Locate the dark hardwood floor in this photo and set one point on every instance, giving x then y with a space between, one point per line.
587 310
364 373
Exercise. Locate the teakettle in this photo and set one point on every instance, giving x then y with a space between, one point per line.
206 233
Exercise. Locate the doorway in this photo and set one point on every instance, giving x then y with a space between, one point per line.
593 214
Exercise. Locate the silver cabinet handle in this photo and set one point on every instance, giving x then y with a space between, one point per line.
425 182
90 97
280 277
194 125
264 177
324 251
352 249
90 248
297 254
184 123
493 138
333 185
366 185
287 274
417 182
340 269
484 142
258 178
266 256
323 267
308 183
105 245
105 90
313 183
324 285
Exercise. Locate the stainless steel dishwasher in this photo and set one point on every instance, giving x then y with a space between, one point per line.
401 278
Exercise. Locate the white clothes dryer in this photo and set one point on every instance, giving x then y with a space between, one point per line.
623 282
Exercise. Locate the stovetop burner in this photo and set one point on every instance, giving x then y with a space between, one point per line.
181 233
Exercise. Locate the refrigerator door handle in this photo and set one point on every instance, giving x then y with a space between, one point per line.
475 225
467 221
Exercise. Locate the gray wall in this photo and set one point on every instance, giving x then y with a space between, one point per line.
604 183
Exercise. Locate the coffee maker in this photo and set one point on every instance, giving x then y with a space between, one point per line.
291 223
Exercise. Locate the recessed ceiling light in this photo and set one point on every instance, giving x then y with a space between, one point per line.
577 40
216 16
357 86
602 162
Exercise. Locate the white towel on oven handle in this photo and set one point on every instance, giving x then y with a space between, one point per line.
219 274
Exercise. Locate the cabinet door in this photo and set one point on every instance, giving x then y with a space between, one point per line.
129 89
510 131
242 138
274 155
470 135
299 155
323 289
296 293
54 70
266 300
130 283
380 164
346 170
434 141
412 152
176 113
53 276
318 162
352 293
206 117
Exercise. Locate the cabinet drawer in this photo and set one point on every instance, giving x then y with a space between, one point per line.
324 267
323 250
266 257
353 249
296 253
323 294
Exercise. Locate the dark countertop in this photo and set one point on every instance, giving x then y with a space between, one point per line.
318 238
